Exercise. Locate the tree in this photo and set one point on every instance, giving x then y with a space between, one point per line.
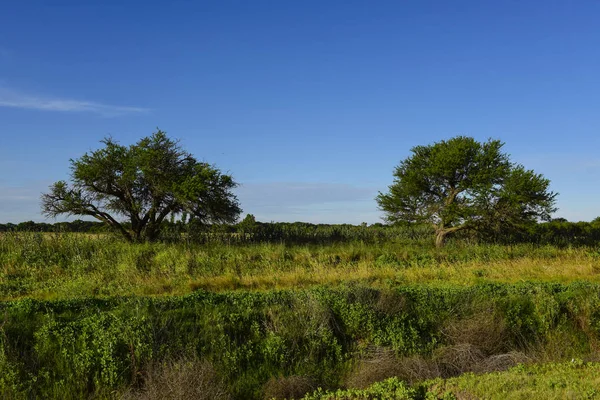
464 184
145 183
248 224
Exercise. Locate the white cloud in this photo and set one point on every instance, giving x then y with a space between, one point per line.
302 193
15 99
22 203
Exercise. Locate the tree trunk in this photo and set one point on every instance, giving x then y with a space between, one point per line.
151 232
440 236
136 229
121 229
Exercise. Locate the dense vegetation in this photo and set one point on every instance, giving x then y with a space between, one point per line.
259 344
568 380
90 315
48 266
460 183
192 306
558 232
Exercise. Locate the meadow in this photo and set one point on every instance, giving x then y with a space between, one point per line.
90 316
72 265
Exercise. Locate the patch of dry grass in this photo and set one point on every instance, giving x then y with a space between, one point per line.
476 343
563 270
185 379
288 387
448 361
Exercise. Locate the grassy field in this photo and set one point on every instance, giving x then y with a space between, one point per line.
94 317
60 266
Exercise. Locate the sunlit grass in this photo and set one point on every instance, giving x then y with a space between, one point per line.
566 380
49 266
571 380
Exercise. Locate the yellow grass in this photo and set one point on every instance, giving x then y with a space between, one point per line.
511 271
130 282
76 265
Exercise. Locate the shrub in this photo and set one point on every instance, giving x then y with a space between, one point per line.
288 387
183 379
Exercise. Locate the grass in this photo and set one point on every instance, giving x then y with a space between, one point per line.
570 380
287 343
47 266
274 320
566 380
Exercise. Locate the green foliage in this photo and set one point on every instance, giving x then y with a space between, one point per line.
63 265
145 183
558 232
390 389
102 347
575 380
461 183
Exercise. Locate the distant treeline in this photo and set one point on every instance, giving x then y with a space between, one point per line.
559 232
73 226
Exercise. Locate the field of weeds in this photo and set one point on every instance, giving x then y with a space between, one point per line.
73 265
95 317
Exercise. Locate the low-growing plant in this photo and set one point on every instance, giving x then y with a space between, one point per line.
183 379
349 335
568 380
288 387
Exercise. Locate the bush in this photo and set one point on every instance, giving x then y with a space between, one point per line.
184 379
289 387
95 347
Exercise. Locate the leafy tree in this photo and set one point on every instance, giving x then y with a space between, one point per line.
145 183
464 184
248 224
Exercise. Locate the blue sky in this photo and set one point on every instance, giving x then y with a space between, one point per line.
309 104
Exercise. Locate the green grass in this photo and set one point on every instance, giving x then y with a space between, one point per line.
55 266
568 380
96 317
349 336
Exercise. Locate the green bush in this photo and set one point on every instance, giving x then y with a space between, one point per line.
103 347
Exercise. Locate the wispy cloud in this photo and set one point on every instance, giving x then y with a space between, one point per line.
16 99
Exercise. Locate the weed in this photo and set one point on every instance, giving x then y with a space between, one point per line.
183 379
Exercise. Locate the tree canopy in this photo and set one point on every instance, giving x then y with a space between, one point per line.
464 184
143 183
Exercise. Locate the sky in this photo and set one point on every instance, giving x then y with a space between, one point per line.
308 104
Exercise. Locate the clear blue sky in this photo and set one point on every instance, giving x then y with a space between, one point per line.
309 104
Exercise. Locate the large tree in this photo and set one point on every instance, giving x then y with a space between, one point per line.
143 184
461 183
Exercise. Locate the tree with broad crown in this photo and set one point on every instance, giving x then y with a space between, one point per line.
145 183
461 184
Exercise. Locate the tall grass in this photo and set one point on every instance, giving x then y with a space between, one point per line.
259 320
70 265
